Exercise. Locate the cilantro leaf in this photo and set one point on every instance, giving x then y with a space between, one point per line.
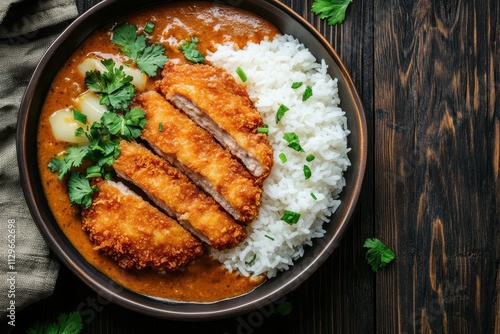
378 255
190 51
333 10
104 147
70 323
56 164
66 324
127 127
151 59
283 309
79 189
126 37
147 57
73 157
113 86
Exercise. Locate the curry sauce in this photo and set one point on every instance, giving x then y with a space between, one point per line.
204 280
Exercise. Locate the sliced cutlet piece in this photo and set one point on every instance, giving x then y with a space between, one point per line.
173 136
136 234
214 100
178 195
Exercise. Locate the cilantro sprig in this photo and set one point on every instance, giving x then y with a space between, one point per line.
190 51
128 126
119 122
114 86
66 324
147 57
80 190
378 255
333 10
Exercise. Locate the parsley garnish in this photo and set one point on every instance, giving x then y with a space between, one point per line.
104 137
293 141
147 57
333 10
283 309
290 217
128 126
269 237
310 157
113 86
296 85
281 112
282 157
378 255
79 189
73 157
314 196
190 51
66 324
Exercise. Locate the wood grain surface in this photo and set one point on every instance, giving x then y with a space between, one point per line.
428 73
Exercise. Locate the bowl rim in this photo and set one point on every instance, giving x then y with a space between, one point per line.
104 286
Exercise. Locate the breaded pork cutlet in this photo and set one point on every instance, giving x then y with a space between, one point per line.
214 100
173 136
134 233
178 195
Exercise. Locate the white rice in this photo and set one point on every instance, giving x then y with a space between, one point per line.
271 67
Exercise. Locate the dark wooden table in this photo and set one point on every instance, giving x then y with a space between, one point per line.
428 73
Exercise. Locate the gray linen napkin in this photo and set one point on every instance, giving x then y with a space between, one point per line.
27 28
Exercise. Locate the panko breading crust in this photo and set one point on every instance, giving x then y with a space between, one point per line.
184 144
222 107
136 234
173 191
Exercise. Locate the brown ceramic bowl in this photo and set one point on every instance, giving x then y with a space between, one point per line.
288 22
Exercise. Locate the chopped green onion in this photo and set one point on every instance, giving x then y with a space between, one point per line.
281 112
149 27
271 238
78 116
307 172
307 94
263 129
290 217
296 85
283 157
94 171
293 141
310 158
241 74
314 196
160 127
251 260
